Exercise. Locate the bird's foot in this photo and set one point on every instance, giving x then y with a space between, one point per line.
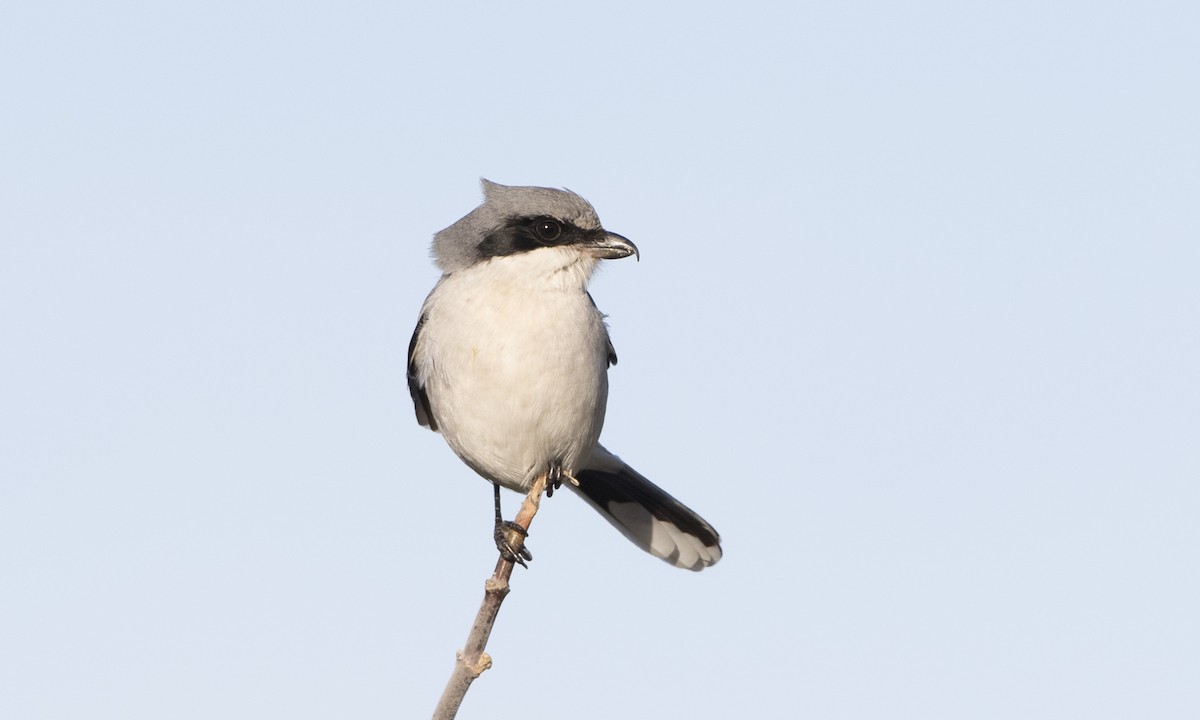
510 541
554 479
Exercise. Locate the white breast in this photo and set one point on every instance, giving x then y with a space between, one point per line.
513 356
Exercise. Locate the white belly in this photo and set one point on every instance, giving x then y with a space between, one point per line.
520 381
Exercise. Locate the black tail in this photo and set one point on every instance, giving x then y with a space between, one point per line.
647 514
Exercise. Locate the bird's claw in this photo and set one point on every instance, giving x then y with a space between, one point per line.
554 479
510 541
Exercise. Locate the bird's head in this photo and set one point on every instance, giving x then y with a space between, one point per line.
521 219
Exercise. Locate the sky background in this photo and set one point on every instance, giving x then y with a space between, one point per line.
916 327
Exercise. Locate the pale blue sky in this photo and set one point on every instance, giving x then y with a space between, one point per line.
916 326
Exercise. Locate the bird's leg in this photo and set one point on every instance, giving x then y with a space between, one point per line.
510 537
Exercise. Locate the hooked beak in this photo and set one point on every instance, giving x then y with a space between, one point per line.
611 246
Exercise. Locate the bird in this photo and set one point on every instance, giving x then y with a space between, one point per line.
509 362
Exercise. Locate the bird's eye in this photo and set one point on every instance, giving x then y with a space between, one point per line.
547 230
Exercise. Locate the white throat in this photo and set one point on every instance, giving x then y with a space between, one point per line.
551 268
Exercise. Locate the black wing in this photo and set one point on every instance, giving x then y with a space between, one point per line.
612 352
419 396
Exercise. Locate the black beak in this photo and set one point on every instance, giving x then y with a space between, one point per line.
611 246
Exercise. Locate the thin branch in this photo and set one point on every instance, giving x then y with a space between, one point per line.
472 660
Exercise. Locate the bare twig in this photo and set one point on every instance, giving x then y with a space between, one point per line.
472 660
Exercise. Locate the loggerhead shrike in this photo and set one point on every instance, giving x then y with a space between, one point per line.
510 361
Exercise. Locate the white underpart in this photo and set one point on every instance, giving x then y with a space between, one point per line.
514 357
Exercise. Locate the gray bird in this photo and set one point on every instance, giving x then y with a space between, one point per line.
509 362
